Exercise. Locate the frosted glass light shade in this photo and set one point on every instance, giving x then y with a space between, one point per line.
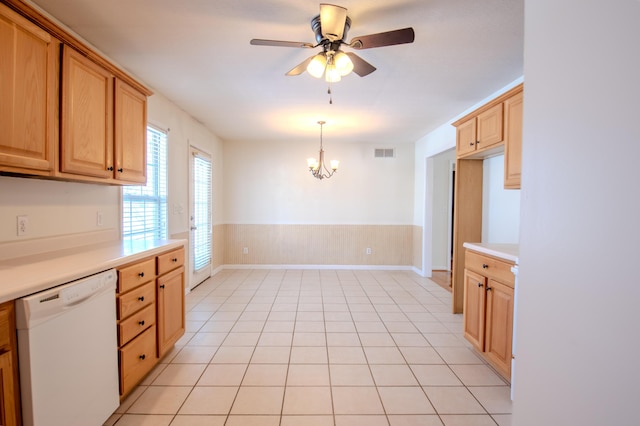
317 65
332 75
343 63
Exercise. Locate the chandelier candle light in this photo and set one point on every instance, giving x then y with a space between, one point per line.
318 168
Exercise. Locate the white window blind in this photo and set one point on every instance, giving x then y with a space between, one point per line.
201 212
144 208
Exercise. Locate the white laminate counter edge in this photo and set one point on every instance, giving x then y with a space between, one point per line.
20 277
509 252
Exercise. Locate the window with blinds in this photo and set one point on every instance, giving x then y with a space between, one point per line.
144 208
202 246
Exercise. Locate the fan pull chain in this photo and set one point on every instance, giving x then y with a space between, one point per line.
330 95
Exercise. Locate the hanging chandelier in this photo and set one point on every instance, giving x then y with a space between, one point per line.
318 168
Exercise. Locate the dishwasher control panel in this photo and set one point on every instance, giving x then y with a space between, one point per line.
81 290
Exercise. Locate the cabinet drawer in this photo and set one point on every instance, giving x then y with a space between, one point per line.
135 300
136 274
136 323
490 267
170 260
136 359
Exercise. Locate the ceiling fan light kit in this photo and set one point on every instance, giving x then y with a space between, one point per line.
330 28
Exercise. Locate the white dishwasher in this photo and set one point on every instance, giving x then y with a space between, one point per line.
68 353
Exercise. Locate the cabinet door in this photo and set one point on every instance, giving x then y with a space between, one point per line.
474 308
28 93
7 391
513 141
499 327
130 133
466 137
170 301
86 146
490 131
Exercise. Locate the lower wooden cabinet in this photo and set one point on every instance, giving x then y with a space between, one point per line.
9 382
488 309
151 315
171 314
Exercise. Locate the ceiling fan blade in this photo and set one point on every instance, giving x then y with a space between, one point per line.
360 66
388 38
332 21
300 68
280 43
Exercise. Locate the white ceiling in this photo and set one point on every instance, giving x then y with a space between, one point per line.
197 54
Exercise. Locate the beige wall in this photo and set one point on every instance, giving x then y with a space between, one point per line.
319 245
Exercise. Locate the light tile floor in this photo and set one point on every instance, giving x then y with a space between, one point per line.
319 348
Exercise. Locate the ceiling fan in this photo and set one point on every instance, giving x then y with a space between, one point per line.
331 27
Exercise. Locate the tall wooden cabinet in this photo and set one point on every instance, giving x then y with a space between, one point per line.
79 118
499 122
28 95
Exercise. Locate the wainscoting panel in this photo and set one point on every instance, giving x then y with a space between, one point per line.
319 244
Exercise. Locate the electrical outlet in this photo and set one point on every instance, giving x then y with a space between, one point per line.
23 226
98 218
368 250
245 250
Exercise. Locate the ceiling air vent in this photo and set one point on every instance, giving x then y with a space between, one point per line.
384 153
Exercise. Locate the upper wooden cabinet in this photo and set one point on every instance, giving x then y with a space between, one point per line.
513 146
89 127
28 96
130 133
86 137
480 132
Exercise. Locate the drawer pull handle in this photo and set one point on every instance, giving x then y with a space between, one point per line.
141 298
485 266
143 356
161 285
174 260
141 322
480 285
141 274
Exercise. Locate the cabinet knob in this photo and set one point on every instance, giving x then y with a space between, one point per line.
161 285
141 274
110 168
141 298
477 142
472 143
174 260
142 357
120 170
480 284
485 266
141 322
489 288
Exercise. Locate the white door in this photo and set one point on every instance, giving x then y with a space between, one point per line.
200 236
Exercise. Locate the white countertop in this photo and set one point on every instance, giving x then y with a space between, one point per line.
31 274
503 251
